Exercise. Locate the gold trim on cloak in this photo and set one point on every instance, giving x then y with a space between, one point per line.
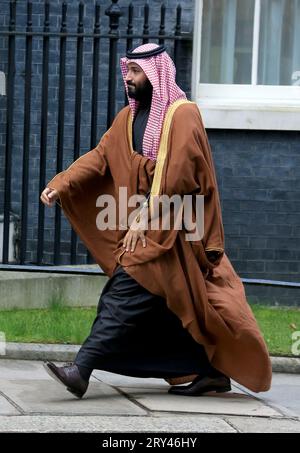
163 147
163 150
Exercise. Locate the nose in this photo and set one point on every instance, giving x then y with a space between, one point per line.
128 77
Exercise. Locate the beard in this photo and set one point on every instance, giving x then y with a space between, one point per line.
141 93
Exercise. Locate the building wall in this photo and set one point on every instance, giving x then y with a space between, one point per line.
258 171
259 181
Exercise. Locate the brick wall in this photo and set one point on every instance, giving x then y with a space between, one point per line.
259 181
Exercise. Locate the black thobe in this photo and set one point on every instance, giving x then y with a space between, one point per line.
134 333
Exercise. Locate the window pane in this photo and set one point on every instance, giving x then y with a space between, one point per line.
227 39
279 53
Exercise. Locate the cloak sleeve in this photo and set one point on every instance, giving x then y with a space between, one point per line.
190 170
87 169
79 187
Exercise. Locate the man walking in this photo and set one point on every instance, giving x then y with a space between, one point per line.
172 308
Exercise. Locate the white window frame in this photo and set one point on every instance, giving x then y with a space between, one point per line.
237 106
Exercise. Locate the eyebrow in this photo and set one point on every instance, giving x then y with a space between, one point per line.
134 66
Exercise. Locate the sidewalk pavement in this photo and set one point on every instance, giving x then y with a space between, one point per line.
30 401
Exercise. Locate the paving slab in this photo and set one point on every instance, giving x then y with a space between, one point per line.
48 397
284 394
235 402
22 370
102 424
260 401
118 380
31 401
6 408
264 425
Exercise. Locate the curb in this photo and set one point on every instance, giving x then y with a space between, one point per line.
286 365
40 351
67 352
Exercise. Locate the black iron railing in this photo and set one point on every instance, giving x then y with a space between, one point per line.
114 34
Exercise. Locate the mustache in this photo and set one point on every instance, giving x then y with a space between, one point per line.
129 84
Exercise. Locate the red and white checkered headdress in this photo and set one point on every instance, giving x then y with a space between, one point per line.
160 70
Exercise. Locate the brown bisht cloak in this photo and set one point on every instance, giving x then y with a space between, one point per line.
208 298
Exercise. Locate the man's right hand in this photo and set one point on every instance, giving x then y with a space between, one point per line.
49 196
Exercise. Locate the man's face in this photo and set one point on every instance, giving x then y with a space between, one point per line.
137 82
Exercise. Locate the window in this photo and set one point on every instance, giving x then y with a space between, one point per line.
246 63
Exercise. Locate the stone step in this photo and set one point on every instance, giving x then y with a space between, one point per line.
39 290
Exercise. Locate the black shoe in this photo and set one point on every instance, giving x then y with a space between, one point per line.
68 376
202 385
